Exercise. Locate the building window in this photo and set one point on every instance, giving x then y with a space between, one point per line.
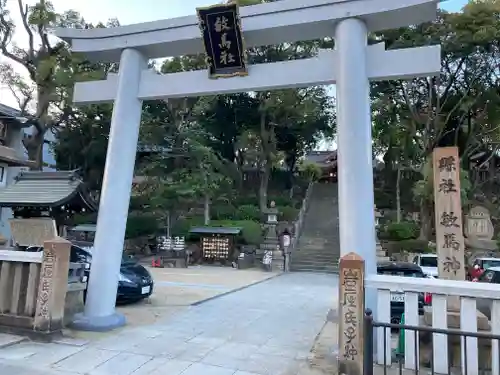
3 133
3 175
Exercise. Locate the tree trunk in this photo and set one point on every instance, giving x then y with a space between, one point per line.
206 209
34 147
267 138
398 195
292 162
388 171
168 223
425 221
35 142
264 184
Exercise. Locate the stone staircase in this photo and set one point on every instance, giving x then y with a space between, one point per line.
318 248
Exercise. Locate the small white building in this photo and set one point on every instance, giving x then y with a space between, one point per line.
13 156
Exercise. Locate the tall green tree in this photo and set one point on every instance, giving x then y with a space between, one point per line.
459 107
82 143
286 117
46 95
178 180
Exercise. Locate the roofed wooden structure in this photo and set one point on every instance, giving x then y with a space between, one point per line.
47 194
327 161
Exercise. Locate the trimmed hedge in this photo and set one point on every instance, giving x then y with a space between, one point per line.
141 225
250 212
408 246
404 230
279 200
288 213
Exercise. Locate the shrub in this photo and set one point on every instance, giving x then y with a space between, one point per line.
223 212
409 246
404 230
181 227
250 200
280 200
141 225
83 218
248 212
288 213
310 171
251 231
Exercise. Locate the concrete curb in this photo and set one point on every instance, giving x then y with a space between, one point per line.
11 342
235 290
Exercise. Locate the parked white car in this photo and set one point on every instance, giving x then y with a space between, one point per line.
428 263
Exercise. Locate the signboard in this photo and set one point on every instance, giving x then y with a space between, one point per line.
32 232
448 209
351 308
220 27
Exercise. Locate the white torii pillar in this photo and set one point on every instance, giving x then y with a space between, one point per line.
354 148
100 314
351 66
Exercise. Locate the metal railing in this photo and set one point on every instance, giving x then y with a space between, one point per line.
297 230
76 273
423 367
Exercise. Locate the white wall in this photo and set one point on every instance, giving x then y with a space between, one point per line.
12 172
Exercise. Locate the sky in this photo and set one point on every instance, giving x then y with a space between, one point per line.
135 11
129 12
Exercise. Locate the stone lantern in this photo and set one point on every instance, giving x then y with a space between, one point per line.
479 230
271 240
272 215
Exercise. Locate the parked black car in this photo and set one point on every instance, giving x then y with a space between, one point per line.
135 281
398 299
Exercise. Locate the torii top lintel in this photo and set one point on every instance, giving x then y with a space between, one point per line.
263 24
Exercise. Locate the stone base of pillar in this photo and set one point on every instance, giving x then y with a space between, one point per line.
278 263
453 319
454 342
81 322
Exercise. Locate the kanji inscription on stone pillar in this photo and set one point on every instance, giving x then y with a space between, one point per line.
448 210
351 313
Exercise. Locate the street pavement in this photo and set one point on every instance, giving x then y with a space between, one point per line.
265 329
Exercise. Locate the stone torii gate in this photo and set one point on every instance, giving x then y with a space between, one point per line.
350 66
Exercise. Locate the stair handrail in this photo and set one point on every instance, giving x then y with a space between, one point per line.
300 218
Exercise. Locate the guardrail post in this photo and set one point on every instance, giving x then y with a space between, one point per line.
368 343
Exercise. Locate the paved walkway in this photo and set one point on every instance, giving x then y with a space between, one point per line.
266 329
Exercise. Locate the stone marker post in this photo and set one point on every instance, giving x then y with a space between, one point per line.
53 285
351 314
448 210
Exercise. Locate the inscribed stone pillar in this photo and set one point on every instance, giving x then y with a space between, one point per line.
53 285
448 213
351 313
